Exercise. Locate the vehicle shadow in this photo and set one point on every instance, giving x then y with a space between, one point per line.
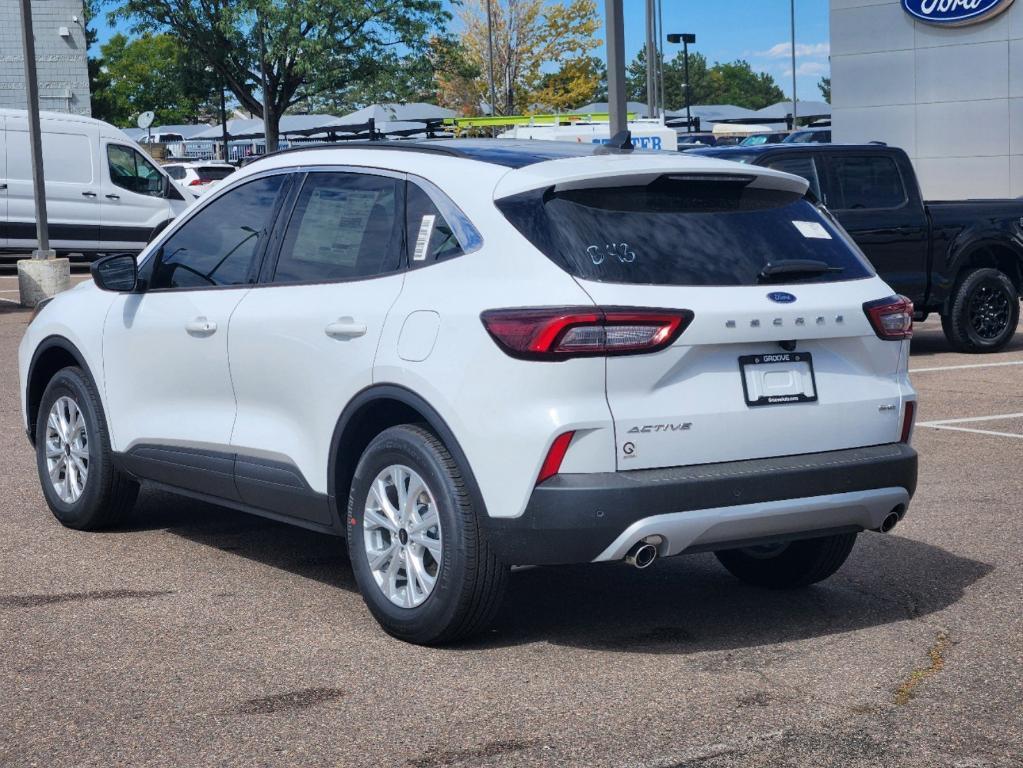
305 553
681 605
929 340
691 604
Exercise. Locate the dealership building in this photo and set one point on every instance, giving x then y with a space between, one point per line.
62 66
948 89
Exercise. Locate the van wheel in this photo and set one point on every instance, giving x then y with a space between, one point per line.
984 312
422 563
791 564
80 483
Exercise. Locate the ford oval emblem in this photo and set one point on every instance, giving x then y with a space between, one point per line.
954 13
780 297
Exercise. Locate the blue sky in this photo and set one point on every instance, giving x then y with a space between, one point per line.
755 30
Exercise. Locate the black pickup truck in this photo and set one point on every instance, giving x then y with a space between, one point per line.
963 260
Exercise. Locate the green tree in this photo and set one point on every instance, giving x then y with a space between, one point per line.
825 88
529 36
674 80
579 81
151 73
305 49
729 83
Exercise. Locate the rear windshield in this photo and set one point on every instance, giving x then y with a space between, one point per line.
686 231
214 173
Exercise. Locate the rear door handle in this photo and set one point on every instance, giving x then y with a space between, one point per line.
345 328
113 197
3 186
88 194
201 327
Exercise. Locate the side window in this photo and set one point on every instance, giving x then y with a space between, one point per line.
130 170
427 233
800 166
176 172
867 182
344 226
219 244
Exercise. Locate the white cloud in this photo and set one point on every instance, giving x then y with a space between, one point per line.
803 50
809 69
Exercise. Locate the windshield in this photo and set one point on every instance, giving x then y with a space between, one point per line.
684 231
214 173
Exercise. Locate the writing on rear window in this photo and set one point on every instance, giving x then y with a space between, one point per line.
600 253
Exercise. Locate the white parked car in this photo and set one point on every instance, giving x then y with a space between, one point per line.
103 193
465 355
198 177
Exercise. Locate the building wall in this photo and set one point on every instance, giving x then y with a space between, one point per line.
62 68
951 97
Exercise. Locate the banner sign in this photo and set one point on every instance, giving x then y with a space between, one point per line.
955 13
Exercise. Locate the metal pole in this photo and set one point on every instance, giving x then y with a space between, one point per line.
490 58
651 61
223 121
616 101
659 36
689 114
795 108
34 132
265 88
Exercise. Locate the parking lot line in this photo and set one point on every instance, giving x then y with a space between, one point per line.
949 424
963 367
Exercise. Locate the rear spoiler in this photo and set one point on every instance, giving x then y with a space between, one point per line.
636 169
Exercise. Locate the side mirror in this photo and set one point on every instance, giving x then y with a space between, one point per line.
118 272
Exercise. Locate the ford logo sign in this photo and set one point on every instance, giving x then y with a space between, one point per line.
780 297
953 13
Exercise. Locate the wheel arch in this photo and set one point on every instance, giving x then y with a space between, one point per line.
371 411
52 355
995 253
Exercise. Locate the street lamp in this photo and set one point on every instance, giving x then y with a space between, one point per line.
686 39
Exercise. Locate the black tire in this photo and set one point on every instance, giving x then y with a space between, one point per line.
107 494
984 312
789 566
470 581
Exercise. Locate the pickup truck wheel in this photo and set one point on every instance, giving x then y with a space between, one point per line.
984 312
422 563
789 565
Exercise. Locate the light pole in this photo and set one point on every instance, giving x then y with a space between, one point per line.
490 58
795 107
616 107
685 38
43 275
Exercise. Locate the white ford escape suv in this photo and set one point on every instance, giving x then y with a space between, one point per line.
466 355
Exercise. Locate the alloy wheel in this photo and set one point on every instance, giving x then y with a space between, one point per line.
67 450
990 311
402 536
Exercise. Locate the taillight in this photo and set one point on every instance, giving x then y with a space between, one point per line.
556 455
908 415
196 183
892 318
559 333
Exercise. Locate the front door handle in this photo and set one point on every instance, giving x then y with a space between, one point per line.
113 197
201 327
3 186
88 194
345 328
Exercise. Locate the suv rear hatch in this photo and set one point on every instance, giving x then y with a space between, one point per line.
780 357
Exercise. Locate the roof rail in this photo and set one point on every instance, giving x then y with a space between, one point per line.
403 146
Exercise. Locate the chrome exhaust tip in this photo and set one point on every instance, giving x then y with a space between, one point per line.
890 522
642 555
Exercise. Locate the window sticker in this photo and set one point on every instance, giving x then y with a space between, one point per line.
423 238
812 230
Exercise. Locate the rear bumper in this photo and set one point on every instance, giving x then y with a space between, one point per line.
588 517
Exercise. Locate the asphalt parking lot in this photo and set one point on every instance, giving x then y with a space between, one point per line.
195 635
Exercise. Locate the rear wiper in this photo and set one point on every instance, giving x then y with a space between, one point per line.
775 271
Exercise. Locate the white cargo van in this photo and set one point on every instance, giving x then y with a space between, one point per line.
103 193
